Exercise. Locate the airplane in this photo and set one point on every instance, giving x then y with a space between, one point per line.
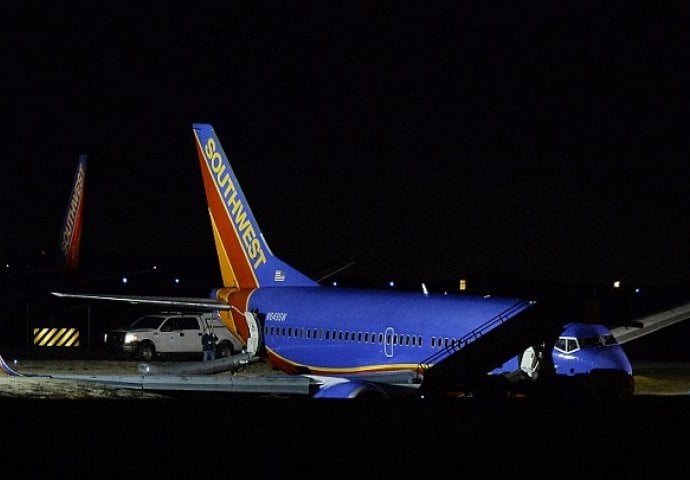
35 281
354 343
68 251
24 289
70 238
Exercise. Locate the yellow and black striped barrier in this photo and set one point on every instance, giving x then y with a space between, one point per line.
56 337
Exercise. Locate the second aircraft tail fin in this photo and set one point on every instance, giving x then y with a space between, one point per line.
70 235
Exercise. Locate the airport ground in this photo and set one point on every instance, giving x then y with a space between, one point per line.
52 428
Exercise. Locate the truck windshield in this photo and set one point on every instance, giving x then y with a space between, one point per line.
148 321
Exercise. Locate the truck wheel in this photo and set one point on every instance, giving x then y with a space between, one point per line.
146 351
224 350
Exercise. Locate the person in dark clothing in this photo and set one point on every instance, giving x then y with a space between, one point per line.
208 344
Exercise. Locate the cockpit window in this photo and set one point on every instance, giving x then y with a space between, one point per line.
569 344
566 345
590 342
604 340
560 344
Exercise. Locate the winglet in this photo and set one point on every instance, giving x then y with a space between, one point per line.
244 257
70 235
5 369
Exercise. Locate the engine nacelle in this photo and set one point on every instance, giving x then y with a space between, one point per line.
350 390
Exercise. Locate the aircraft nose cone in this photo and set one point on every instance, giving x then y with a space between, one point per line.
614 358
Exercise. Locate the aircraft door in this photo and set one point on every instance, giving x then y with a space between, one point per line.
529 362
254 340
388 342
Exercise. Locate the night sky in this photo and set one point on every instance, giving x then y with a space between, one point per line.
425 143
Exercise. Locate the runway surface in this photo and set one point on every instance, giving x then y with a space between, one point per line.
258 436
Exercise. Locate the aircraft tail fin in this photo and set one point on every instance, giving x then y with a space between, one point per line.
70 235
245 259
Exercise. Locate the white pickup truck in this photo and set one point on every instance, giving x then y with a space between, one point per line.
170 333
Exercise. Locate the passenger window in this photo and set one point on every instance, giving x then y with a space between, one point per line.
167 326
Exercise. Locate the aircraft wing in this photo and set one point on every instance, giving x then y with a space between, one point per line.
191 302
189 377
262 384
651 323
276 384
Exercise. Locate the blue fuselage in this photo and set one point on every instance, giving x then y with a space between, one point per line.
350 331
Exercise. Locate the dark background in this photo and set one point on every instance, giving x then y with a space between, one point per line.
513 145
528 146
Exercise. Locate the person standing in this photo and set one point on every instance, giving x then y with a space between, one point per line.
208 344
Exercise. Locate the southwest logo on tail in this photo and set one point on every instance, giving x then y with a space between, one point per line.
245 259
356 342
70 235
64 259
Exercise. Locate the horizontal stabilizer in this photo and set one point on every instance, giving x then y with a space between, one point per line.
187 302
